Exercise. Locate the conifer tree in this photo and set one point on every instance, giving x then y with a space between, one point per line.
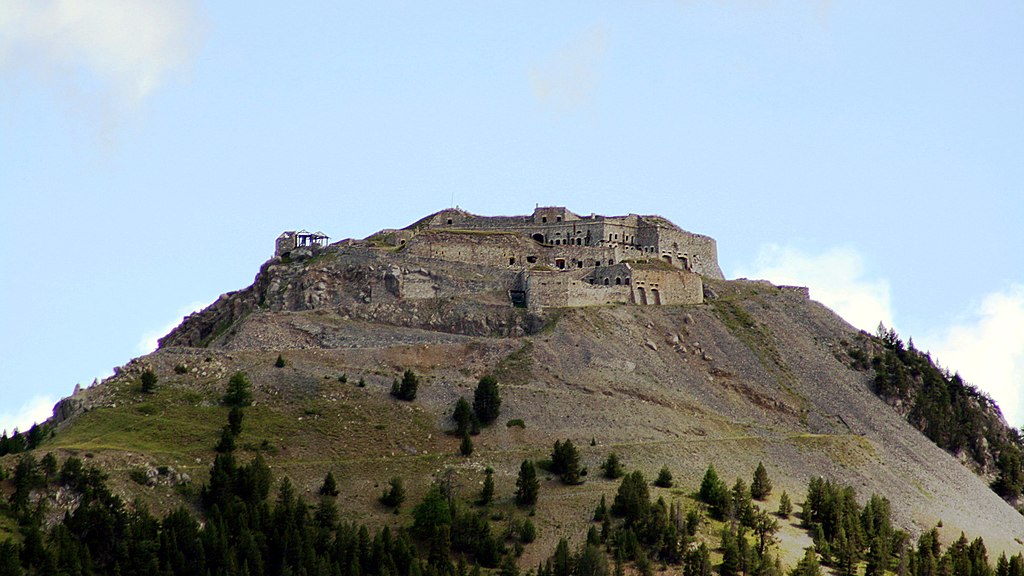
463 416
235 420
466 446
633 500
528 532
664 479
612 468
239 392
761 486
280 362
330 486
785 505
406 389
565 461
394 496
487 400
808 565
487 492
527 485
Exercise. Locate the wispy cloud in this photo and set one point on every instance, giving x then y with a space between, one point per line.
565 81
835 277
36 410
150 340
102 56
987 348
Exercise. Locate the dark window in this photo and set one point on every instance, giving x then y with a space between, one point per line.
531 259
449 221
511 261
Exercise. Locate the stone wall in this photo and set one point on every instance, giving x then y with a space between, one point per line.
666 287
629 237
561 289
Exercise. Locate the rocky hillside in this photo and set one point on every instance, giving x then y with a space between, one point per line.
757 373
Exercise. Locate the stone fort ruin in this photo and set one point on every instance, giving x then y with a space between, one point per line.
551 258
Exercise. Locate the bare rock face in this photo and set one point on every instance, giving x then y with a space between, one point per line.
358 282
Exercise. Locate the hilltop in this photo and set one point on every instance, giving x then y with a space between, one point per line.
594 336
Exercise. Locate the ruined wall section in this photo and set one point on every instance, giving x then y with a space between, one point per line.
620 238
666 287
562 289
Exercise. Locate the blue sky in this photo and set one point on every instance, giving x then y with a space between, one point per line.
151 152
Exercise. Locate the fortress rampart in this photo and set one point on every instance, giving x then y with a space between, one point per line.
556 258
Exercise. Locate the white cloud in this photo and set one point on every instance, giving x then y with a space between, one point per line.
108 54
987 349
150 340
566 80
36 410
835 278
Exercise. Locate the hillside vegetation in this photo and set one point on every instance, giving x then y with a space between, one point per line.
756 375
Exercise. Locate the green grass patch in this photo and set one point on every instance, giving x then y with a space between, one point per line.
516 423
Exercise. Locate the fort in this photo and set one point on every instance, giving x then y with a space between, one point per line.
551 258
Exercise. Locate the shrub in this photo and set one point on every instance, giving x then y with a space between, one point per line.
180 369
565 461
406 389
138 475
148 381
664 479
516 423
528 532
395 493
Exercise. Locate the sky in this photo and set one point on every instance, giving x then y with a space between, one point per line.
151 152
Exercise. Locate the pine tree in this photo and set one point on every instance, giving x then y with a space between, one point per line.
528 532
394 496
280 362
487 400
235 420
632 501
463 416
487 492
730 554
406 389
808 565
664 479
612 468
239 391
527 485
466 446
785 506
565 461
761 486
330 486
